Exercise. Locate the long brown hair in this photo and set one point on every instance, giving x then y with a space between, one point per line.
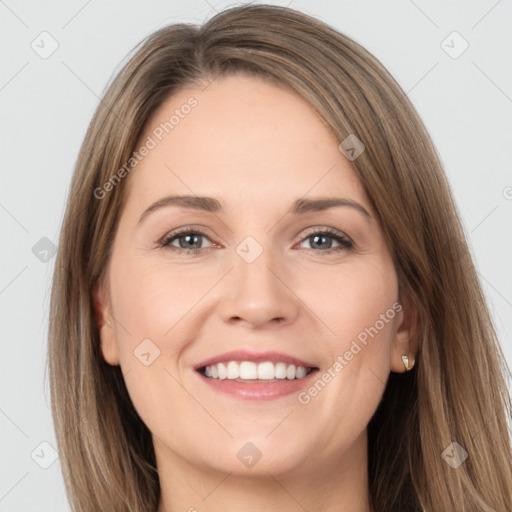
457 391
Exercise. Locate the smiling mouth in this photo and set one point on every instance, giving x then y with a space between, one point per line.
251 372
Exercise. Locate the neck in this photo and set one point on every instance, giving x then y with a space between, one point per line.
336 485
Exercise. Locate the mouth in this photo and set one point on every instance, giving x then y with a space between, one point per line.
256 376
250 371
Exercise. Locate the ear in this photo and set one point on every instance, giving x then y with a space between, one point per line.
105 323
406 336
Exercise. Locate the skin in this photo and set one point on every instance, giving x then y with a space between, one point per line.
256 148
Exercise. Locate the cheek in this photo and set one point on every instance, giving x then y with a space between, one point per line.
358 341
156 307
151 299
150 305
354 302
363 325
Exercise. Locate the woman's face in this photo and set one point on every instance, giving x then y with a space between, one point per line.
262 338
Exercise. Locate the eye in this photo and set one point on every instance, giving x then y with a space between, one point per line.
188 241
323 240
191 241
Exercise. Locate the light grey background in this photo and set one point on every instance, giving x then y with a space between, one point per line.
466 103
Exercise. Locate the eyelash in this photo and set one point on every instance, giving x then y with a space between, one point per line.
344 241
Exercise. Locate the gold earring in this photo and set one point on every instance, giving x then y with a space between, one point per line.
107 314
405 359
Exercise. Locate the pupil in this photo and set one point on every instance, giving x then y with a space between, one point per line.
323 242
190 243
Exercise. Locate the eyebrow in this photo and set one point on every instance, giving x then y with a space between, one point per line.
207 204
301 206
211 205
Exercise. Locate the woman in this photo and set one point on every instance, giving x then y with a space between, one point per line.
263 297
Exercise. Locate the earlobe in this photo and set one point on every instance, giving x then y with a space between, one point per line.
405 345
409 365
105 325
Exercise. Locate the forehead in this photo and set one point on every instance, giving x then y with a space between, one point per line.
244 137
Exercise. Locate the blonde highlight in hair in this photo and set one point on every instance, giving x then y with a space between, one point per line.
457 390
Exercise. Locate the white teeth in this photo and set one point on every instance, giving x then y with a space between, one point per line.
233 370
222 371
280 371
248 370
266 371
301 372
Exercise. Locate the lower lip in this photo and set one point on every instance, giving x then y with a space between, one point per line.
258 390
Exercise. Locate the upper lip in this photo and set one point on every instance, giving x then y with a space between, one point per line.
256 357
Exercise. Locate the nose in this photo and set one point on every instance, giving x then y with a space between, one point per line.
258 294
